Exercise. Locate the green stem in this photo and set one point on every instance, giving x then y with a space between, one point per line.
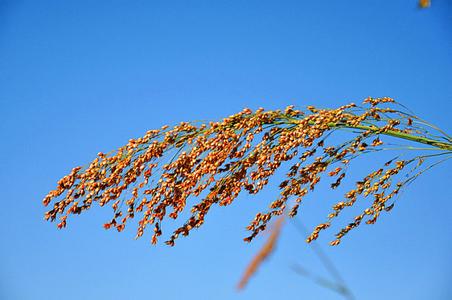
402 135
393 133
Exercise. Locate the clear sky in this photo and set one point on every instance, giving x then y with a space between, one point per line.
79 77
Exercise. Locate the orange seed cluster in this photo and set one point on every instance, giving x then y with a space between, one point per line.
215 162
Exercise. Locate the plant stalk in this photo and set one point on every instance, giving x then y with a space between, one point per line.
395 133
403 135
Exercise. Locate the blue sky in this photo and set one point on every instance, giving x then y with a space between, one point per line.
81 77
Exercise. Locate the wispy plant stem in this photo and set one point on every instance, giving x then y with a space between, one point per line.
394 133
402 135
